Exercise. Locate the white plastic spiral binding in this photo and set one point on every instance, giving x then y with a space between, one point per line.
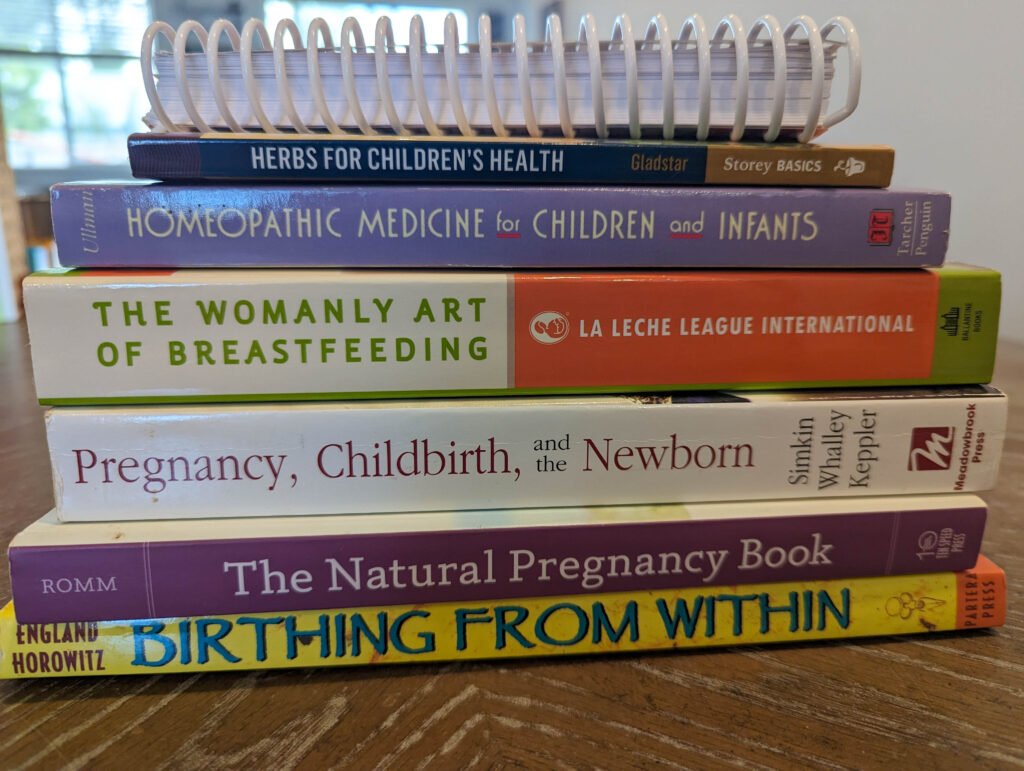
284 90
693 34
553 39
657 29
150 36
417 45
252 28
218 28
384 39
351 30
318 28
521 47
622 31
487 76
589 38
771 26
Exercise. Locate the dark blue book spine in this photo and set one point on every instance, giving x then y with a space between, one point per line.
486 160
419 159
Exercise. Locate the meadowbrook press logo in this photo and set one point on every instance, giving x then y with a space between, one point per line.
549 327
931 449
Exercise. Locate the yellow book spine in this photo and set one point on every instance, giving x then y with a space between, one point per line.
549 626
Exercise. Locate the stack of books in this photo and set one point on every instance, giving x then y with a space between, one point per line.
324 399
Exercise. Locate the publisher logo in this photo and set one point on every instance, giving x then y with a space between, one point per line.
931 449
851 166
951 321
880 226
926 543
549 327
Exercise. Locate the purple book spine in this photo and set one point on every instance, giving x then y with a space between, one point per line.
196 578
162 225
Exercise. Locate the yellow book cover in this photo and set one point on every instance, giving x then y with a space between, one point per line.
548 626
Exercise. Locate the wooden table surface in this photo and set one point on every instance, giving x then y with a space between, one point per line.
953 700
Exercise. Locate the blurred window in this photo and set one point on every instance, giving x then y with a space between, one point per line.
69 79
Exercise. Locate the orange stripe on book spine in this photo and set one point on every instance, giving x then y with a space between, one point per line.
981 596
723 327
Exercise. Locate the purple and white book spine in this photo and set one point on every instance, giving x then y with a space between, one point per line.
151 225
165 578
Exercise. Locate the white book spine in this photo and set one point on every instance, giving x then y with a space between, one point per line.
362 457
393 332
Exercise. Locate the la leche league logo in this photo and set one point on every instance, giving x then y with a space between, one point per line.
549 327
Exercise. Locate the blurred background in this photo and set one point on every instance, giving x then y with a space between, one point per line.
942 84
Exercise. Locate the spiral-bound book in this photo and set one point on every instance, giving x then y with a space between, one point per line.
763 83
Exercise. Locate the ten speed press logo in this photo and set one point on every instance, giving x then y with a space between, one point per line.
549 327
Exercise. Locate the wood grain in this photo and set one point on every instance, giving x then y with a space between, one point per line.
945 701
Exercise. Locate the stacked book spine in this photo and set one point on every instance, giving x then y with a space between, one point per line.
322 400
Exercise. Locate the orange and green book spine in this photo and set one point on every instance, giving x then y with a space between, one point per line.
569 625
281 335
